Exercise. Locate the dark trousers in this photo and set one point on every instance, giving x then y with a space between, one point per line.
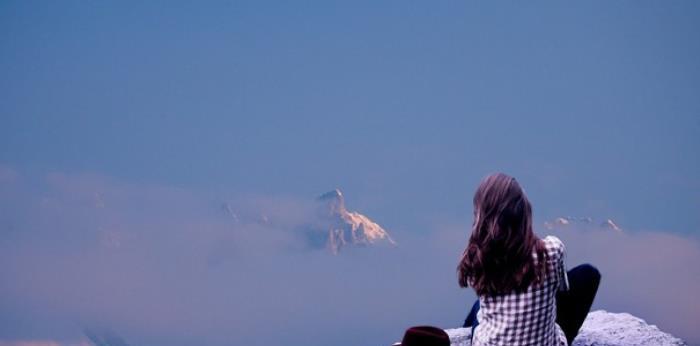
572 306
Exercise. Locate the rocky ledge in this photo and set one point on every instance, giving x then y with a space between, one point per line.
601 328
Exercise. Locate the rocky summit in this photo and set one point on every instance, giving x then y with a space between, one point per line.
601 328
337 227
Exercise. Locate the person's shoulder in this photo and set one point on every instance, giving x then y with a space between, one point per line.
554 246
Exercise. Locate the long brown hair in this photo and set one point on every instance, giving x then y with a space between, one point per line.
499 256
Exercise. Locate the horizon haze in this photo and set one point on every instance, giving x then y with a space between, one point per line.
160 162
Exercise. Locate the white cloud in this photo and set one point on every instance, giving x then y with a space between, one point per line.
651 274
168 266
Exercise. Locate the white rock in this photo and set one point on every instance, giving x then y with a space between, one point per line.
460 336
601 328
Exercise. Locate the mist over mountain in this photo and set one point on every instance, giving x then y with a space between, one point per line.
336 227
161 265
324 223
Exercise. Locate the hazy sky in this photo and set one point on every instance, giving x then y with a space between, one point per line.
403 105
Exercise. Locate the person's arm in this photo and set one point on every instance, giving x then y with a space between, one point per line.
561 267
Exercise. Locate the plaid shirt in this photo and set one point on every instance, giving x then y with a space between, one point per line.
526 318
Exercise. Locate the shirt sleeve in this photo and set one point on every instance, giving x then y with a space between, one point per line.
561 267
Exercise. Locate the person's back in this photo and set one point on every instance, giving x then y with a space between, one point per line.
525 318
518 277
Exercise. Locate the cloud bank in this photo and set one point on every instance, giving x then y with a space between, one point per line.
169 266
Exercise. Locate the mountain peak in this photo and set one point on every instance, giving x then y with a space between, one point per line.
580 222
333 194
610 224
334 201
339 227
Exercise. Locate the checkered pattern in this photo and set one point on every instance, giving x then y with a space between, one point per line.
526 318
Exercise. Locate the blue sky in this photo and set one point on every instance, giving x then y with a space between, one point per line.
593 106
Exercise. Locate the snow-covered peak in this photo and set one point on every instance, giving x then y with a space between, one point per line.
228 209
340 227
561 221
610 224
580 222
326 224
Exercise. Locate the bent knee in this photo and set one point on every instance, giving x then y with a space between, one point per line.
591 271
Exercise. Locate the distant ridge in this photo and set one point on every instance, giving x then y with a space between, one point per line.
586 222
